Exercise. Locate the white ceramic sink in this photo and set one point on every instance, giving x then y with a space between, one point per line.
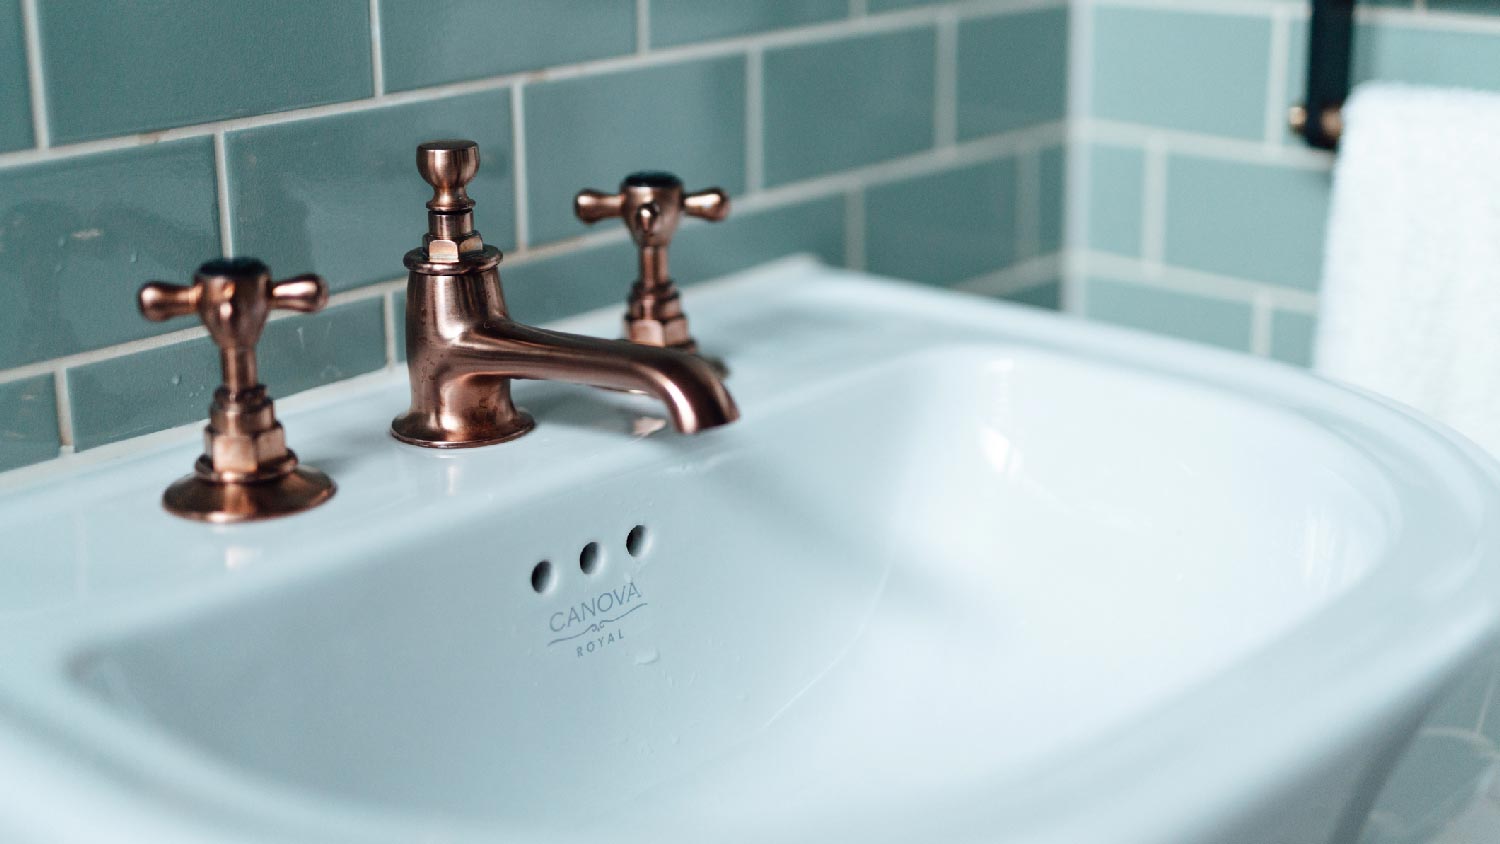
963 572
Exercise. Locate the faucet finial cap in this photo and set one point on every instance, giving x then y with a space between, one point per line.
448 165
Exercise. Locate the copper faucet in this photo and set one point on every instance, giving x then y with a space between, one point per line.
246 471
463 348
651 204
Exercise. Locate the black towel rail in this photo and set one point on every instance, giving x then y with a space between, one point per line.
1330 47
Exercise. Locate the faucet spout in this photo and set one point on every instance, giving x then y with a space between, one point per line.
695 397
463 350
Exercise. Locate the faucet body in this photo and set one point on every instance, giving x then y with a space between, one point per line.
463 349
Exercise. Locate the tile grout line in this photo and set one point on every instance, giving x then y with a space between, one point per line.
64 402
919 164
945 104
377 51
1261 313
642 26
1133 270
172 338
1277 80
755 116
1154 202
1416 17
842 183
1020 276
809 34
1232 8
1206 146
518 164
1078 177
221 193
40 120
1028 203
854 228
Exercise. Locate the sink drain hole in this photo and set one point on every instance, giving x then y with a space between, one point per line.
588 558
542 577
637 541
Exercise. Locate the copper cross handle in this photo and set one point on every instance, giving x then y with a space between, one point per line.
233 297
651 204
246 471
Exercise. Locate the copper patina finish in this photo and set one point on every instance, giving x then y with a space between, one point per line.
463 348
651 205
246 471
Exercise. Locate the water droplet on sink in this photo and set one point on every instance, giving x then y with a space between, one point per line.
647 657
176 379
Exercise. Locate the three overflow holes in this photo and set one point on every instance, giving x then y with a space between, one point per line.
544 574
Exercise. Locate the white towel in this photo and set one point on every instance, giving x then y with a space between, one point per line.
1411 278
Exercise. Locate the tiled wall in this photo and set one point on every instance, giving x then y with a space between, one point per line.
917 139
1194 212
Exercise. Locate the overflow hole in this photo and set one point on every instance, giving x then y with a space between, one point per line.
588 558
541 577
636 541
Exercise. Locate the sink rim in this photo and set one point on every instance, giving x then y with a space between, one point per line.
1451 628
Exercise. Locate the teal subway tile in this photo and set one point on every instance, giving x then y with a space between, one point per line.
1255 221
1427 56
302 352
398 307
889 5
1178 70
125 397
1201 319
341 196
115 67
430 42
28 422
79 236
15 91
601 276
1012 72
945 227
1052 201
570 283
684 21
1292 337
1116 197
707 250
1047 295
591 132
159 388
838 104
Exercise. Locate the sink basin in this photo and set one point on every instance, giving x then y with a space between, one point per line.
963 572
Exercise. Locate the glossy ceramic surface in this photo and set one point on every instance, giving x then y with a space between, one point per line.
962 572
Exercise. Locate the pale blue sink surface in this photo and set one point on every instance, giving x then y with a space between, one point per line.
963 572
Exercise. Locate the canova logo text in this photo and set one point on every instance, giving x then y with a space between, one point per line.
595 614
